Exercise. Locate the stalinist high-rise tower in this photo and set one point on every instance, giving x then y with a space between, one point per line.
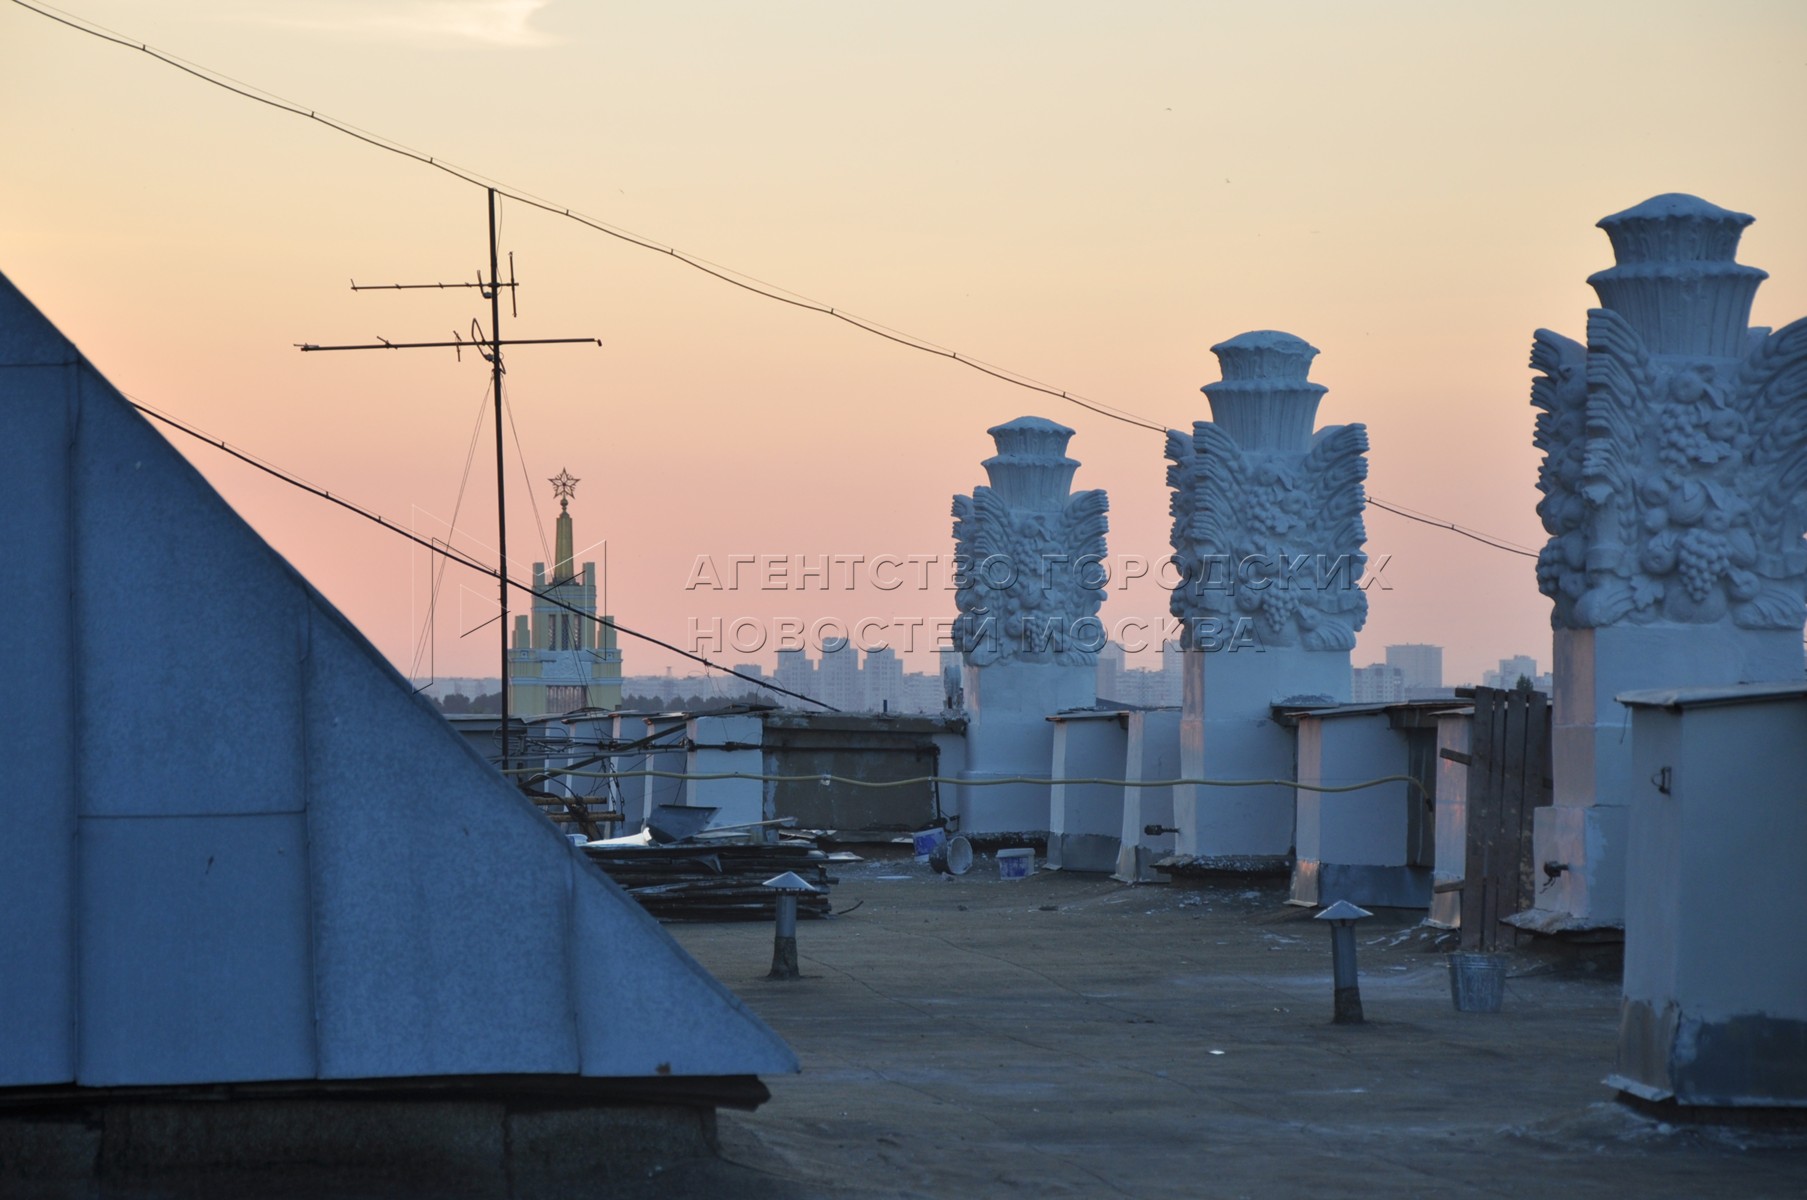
564 657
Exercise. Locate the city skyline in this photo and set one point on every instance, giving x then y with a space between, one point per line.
1411 671
1384 184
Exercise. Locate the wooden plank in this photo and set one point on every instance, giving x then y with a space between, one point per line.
1497 853
1421 810
1508 850
1460 758
1537 793
1502 854
1498 770
1483 808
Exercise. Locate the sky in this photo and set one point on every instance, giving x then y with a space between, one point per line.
1087 195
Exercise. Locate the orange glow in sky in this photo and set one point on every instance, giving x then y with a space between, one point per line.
1089 195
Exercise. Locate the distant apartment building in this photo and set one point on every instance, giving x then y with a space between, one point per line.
877 684
882 677
1157 688
838 676
1110 671
795 673
1144 689
470 687
922 693
738 686
952 676
1376 683
1511 670
1173 674
1420 665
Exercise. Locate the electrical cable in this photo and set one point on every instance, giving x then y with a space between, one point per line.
726 274
456 555
539 522
1484 538
425 644
543 773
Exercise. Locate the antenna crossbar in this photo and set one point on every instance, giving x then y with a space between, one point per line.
466 343
490 348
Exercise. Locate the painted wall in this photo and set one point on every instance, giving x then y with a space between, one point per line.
1085 820
1715 991
1152 752
1228 732
1586 825
730 745
1353 845
1008 705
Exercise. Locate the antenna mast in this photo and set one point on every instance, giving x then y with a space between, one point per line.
490 348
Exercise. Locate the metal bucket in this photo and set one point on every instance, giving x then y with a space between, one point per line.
953 858
1477 981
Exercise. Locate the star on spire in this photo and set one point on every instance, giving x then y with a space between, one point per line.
564 486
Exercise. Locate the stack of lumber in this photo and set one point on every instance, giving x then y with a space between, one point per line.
707 879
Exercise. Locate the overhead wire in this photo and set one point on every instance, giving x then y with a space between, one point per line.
1485 539
729 275
454 554
543 774
539 522
725 274
426 642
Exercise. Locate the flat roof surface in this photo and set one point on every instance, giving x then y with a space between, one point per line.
1411 710
1090 714
1070 1036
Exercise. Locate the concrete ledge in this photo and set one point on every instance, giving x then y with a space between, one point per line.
991 843
1304 883
1753 1060
1670 1111
403 1143
1370 886
1543 920
1092 852
1226 864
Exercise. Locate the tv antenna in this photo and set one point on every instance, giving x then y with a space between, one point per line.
489 347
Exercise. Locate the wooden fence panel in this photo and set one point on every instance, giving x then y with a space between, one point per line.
1508 780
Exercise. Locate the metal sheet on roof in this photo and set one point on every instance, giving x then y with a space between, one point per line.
237 845
1738 693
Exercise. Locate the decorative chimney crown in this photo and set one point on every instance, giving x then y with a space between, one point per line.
1675 280
1031 469
1673 442
1265 400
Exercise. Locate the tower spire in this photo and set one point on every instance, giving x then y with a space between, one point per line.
564 486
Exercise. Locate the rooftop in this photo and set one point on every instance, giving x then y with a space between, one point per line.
1072 1036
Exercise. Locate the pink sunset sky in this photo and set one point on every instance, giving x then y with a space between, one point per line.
1089 195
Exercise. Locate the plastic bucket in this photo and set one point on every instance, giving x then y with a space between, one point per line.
955 858
1477 981
1016 864
928 842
